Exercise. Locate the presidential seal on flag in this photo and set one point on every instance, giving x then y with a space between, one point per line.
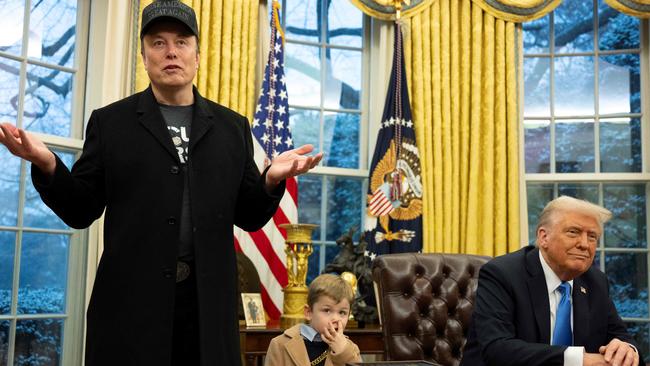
394 205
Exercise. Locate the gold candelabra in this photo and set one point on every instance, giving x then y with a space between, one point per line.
298 248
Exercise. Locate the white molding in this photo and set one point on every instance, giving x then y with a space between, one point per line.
343 172
587 177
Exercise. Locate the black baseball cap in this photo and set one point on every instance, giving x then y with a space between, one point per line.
170 9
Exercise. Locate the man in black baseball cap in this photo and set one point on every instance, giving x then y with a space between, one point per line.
172 172
172 10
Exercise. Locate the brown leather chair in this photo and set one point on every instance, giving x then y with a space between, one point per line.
425 303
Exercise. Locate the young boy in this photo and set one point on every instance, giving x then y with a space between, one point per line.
321 343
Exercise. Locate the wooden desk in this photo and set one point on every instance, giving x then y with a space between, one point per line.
255 341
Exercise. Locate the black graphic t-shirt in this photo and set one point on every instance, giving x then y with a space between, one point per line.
179 122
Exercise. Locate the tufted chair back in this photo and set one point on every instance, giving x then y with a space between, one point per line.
426 302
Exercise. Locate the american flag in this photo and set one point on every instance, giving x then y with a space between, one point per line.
272 136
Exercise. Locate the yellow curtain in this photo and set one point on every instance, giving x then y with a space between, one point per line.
510 10
461 66
228 47
637 8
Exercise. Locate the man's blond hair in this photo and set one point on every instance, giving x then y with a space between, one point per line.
329 285
570 204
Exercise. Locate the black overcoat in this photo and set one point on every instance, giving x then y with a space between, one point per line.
129 167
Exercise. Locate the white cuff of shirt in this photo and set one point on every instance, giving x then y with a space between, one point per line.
573 356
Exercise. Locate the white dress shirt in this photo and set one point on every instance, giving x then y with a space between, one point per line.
572 355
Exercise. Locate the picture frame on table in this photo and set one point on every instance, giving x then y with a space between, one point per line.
253 309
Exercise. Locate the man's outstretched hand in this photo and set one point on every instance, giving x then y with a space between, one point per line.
25 145
290 164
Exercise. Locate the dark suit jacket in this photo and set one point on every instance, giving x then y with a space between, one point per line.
511 318
130 168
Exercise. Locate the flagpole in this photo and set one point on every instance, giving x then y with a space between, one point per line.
398 9
396 184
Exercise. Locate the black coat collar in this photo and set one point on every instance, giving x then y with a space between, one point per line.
150 117
538 295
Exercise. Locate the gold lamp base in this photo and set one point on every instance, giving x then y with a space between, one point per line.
298 248
295 299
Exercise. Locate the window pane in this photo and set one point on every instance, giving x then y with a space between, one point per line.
52 31
628 282
302 19
9 82
537 135
536 35
314 263
4 341
303 75
7 250
43 273
40 340
641 334
617 31
36 213
583 191
574 85
574 146
619 84
48 101
538 196
341 140
620 145
574 30
331 251
343 83
345 23
11 28
537 87
305 127
627 228
9 185
344 202
310 188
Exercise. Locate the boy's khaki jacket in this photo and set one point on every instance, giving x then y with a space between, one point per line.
289 349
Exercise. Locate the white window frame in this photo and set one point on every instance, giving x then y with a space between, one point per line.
73 315
365 131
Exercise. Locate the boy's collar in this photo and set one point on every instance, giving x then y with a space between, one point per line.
309 333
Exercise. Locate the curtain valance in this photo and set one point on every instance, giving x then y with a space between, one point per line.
385 9
637 8
518 11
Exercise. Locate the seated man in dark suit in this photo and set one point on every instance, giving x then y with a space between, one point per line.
547 305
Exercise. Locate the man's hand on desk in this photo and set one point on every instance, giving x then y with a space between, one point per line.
594 359
616 353
619 353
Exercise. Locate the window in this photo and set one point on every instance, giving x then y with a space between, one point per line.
324 65
585 136
42 63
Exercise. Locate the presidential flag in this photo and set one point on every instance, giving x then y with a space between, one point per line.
271 136
394 203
